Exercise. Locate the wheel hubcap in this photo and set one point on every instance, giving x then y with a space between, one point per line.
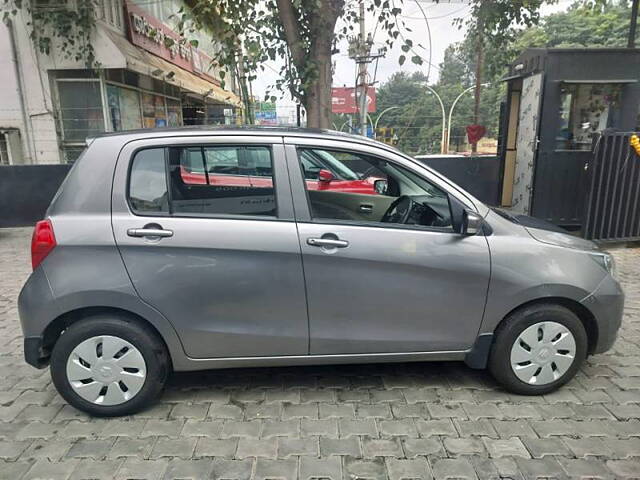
106 370
543 353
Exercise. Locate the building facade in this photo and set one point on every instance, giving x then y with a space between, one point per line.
145 78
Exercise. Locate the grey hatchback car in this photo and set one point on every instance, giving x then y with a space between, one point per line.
189 249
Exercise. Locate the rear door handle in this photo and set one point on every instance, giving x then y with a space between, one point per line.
366 208
149 232
327 242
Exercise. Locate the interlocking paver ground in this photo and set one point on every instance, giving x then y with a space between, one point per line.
393 421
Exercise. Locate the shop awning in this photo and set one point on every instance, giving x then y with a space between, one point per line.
138 60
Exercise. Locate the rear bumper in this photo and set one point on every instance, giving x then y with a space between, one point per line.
607 305
36 307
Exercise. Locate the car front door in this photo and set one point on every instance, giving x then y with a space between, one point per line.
214 252
378 287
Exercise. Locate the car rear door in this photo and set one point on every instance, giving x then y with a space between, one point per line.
382 288
214 253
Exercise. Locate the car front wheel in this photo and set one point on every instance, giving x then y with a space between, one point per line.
109 366
537 349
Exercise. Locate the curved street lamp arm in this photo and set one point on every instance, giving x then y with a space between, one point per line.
375 125
451 113
444 118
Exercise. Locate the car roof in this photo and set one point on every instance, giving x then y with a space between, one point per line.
238 130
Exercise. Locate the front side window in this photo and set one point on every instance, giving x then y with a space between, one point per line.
375 191
225 180
148 182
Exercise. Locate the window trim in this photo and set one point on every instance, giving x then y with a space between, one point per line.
364 223
223 216
127 191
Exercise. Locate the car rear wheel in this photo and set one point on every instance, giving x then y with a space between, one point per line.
537 349
109 366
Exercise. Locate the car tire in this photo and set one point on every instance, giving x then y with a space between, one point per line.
537 349
125 363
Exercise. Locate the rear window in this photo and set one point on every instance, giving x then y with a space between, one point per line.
148 182
207 181
222 180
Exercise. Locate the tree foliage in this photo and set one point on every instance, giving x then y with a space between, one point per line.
67 28
303 32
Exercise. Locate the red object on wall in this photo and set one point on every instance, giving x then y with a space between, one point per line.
343 100
475 133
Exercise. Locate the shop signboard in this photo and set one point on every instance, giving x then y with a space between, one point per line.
150 34
266 114
343 100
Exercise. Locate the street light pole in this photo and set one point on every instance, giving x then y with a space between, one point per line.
451 114
444 118
375 125
370 120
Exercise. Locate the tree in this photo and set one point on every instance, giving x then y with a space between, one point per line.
303 32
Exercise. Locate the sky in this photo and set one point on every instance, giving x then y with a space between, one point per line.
440 17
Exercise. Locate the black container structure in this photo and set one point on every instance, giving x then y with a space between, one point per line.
559 102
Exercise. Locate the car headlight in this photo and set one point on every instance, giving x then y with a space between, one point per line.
606 261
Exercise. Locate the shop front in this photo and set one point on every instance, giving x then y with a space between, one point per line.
144 82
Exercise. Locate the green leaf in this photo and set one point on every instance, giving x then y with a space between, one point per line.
401 59
417 59
194 43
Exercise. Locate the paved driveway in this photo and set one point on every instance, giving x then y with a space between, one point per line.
403 421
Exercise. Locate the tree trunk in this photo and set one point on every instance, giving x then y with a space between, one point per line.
316 96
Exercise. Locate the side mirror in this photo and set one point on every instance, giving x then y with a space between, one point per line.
381 186
471 223
325 176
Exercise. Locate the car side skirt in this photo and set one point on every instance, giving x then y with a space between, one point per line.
189 364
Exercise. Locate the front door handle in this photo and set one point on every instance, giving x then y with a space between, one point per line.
327 242
150 232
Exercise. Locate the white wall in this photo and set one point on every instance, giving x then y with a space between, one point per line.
39 139
10 112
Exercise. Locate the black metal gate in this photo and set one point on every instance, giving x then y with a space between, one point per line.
612 211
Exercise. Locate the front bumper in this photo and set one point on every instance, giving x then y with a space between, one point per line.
607 305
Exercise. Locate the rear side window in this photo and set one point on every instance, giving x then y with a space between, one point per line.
148 182
222 180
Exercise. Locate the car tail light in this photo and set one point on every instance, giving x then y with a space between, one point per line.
42 242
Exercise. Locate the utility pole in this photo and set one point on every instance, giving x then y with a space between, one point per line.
360 51
362 74
634 23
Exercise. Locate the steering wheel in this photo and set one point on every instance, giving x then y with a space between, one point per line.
399 211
